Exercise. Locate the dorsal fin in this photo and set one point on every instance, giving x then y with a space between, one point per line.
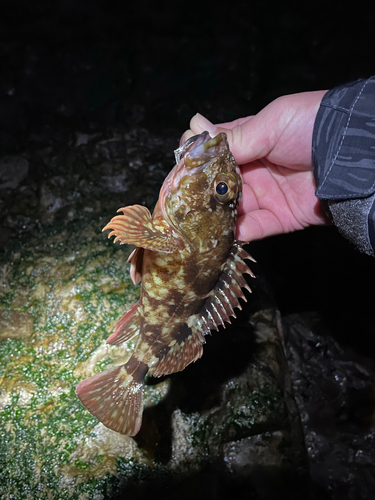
217 309
127 327
223 299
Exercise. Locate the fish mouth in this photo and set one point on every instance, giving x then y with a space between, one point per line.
201 148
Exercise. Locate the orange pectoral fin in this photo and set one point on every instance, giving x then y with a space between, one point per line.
136 227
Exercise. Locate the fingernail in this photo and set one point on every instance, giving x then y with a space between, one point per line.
205 124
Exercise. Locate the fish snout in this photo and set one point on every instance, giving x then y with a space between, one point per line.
200 149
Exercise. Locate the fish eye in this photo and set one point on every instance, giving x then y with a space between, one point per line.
222 188
225 189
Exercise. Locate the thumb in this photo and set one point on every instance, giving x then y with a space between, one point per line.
248 140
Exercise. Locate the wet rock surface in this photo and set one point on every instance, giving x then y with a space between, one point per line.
63 287
334 391
254 436
13 170
70 182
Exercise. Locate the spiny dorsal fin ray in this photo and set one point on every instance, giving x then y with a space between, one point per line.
137 227
115 397
223 299
241 252
128 326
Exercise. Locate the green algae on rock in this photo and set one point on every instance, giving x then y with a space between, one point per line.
63 286
54 316
64 300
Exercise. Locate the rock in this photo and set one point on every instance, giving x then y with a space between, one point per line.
246 456
116 183
63 286
15 324
63 294
13 170
254 432
334 391
56 193
82 138
59 303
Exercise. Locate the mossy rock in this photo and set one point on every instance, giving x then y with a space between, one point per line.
58 305
63 287
62 294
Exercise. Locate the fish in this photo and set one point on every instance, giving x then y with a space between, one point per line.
192 273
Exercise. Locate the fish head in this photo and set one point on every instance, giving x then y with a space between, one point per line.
200 195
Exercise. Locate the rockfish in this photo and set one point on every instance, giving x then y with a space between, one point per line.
191 269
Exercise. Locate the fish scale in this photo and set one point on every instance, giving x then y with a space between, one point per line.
191 270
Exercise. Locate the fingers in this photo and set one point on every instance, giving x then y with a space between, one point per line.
234 123
199 124
247 137
263 210
257 225
282 127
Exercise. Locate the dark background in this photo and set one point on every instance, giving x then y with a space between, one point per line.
70 63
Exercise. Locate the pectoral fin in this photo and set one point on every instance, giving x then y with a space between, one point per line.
136 227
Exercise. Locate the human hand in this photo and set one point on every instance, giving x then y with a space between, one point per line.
273 150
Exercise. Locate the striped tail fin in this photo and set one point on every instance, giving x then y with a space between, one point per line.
115 396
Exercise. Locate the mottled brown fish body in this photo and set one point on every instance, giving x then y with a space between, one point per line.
175 287
192 277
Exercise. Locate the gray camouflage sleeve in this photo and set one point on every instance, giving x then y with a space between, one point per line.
344 160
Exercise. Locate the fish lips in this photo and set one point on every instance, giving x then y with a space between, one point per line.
201 148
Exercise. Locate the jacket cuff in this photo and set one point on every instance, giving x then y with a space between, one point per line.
344 160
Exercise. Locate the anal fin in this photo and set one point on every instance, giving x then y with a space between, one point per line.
186 348
127 327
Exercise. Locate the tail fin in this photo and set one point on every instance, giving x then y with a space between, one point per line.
115 397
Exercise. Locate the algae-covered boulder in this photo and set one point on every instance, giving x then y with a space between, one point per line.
62 298
63 287
60 303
